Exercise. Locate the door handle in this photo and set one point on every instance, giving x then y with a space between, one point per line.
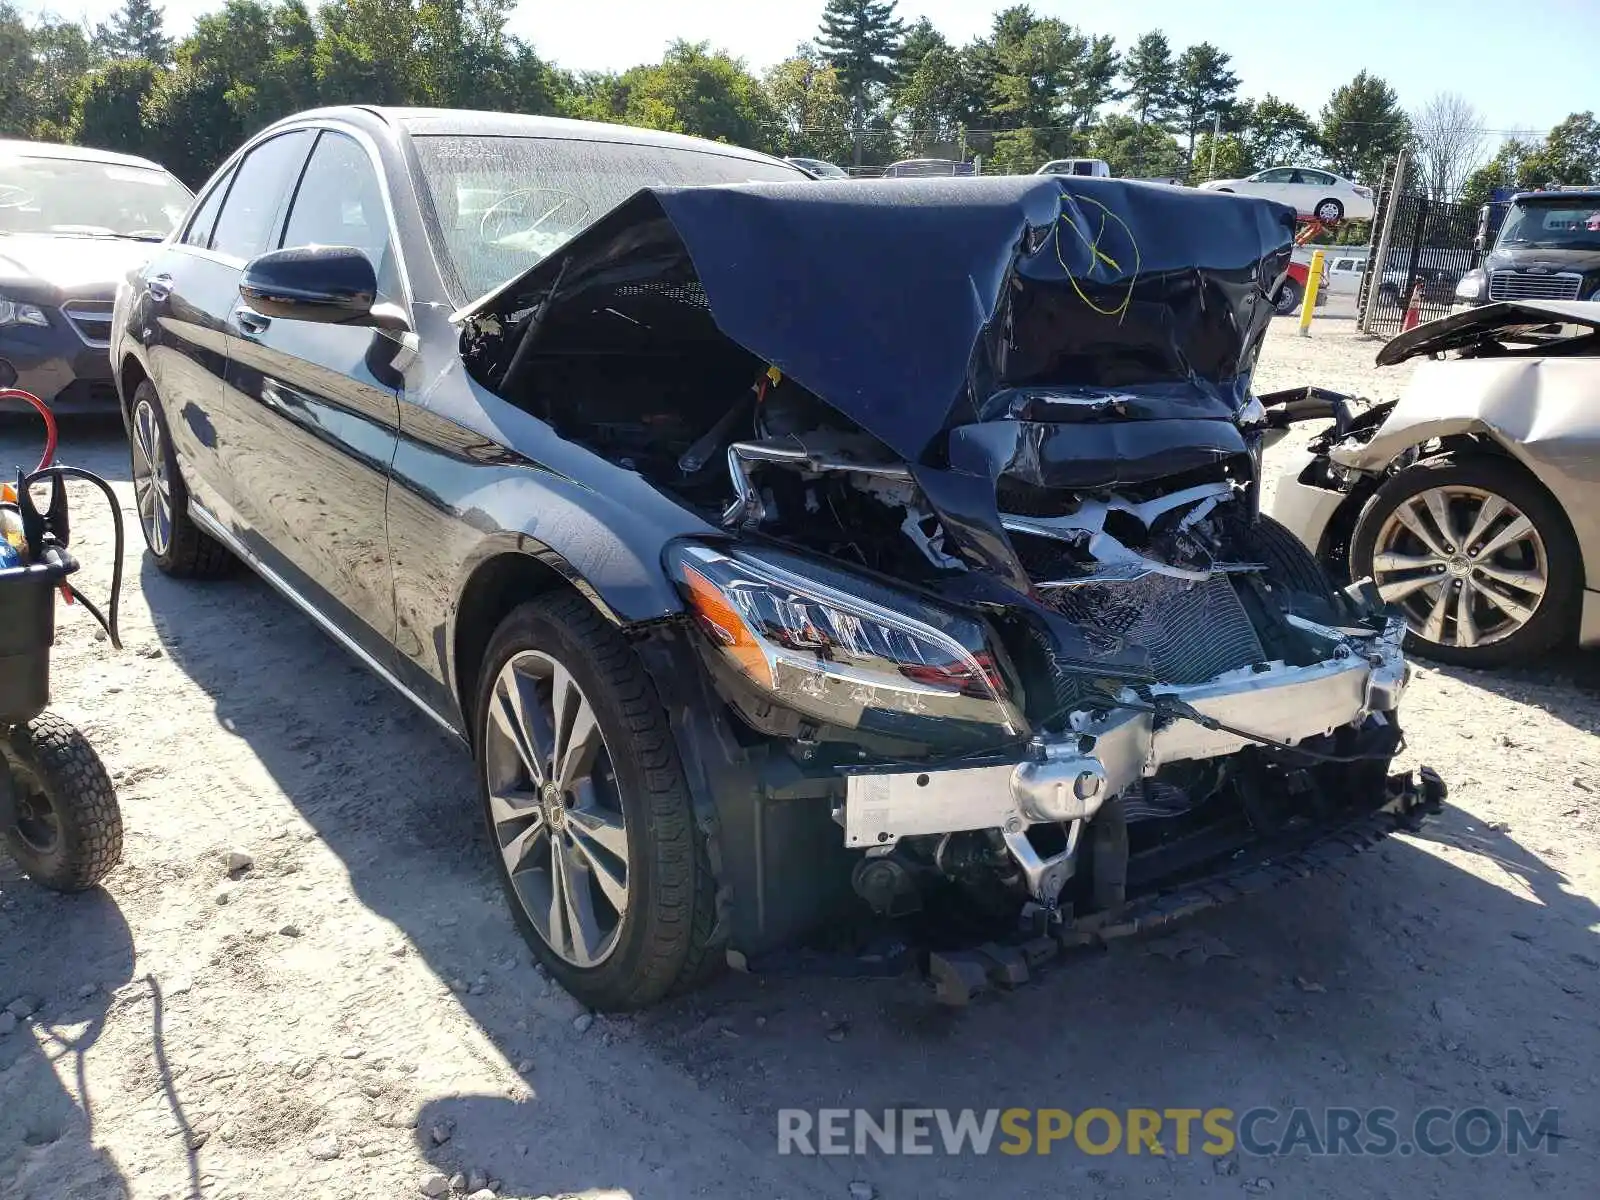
251 323
159 286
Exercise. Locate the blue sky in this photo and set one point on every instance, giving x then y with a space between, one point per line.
1525 64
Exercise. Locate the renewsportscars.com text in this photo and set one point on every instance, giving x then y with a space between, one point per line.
1263 1132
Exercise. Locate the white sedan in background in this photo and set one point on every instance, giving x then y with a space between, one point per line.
1313 193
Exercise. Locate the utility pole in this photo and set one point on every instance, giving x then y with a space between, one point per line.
1380 252
1216 132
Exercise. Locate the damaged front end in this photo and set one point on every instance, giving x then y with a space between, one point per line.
984 582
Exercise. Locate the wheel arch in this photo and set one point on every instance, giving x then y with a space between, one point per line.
499 580
131 373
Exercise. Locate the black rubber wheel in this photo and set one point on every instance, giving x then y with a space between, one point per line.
161 499
62 823
1289 561
1550 553
660 942
1289 297
1329 211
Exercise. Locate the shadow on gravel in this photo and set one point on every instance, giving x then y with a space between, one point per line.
61 960
1402 979
97 443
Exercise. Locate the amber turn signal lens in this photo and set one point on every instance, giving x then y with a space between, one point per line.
726 627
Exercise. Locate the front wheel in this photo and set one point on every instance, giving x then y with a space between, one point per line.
1476 555
588 810
61 820
1329 211
1289 296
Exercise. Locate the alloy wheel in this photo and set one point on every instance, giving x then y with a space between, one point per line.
152 489
556 811
1329 210
1467 567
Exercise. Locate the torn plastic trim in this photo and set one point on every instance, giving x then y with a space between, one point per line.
1069 778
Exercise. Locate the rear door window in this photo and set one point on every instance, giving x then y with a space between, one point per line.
249 215
205 217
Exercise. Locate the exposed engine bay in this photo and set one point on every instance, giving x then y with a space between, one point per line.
1015 609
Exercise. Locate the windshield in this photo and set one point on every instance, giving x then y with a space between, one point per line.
506 202
1561 225
88 199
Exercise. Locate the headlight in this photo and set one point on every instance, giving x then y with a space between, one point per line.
15 312
1470 286
843 649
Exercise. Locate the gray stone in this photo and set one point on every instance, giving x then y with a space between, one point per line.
23 1007
433 1184
290 930
324 1148
458 1182
582 1022
240 861
477 1180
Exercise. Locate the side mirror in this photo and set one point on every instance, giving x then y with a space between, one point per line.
335 285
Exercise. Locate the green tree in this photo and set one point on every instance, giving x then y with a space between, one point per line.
16 66
1569 154
1232 160
692 90
1362 125
1205 90
1151 79
810 107
861 40
1135 149
1277 133
1094 84
135 31
110 103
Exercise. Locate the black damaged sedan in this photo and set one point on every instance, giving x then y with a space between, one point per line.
786 551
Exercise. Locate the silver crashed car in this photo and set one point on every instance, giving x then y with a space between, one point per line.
1473 502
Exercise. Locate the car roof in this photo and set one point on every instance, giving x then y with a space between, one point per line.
15 148
423 122
1574 193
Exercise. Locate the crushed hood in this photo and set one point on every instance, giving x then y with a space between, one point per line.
1512 319
914 307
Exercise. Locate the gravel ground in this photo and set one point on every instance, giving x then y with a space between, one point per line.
354 1016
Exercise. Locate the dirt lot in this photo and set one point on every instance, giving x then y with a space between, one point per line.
356 1012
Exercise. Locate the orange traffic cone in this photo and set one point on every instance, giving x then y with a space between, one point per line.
1413 310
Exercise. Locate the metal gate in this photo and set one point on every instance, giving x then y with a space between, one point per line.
1425 246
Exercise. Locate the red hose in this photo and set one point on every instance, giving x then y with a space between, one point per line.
49 422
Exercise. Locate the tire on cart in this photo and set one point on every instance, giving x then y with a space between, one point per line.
58 809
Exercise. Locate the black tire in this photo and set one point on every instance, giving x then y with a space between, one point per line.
190 552
1290 563
63 824
1289 297
1329 211
1555 615
664 941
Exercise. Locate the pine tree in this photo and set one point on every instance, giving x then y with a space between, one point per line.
1362 125
1206 90
861 40
135 31
1152 79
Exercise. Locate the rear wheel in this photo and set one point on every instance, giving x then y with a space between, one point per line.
179 547
588 810
1289 297
1477 556
62 823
